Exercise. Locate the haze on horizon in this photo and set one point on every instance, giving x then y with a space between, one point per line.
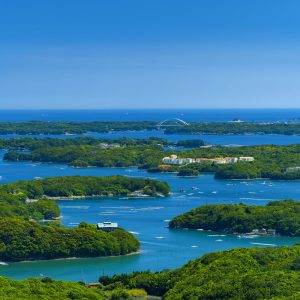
149 54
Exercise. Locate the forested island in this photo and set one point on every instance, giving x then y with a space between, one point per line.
32 143
85 186
253 273
39 127
270 161
22 240
281 216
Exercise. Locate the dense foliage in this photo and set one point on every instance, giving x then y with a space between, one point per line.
26 143
236 128
39 127
48 289
86 155
283 216
14 205
187 172
68 186
255 273
26 240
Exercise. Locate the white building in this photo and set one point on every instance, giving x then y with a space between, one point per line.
107 226
246 158
231 160
174 160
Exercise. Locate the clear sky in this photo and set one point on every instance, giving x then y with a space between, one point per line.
149 53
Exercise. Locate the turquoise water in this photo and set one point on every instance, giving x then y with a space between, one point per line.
161 247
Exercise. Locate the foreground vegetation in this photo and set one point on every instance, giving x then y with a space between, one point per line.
25 240
283 216
47 289
254 273
271 161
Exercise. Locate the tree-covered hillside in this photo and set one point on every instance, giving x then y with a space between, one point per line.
47 289
68 186
248 274
283 216
26 240
14 205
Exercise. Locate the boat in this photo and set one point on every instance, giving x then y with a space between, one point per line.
247 236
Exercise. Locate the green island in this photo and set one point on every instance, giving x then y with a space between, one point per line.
269 161
27 203
32 143
40 127
48 289
86 186
243 273
22 240
282 217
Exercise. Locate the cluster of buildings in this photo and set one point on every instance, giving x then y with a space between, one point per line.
174 160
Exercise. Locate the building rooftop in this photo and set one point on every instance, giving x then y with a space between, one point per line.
107 225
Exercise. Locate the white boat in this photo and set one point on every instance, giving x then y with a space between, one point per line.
247 236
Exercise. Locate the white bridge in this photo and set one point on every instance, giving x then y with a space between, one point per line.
175 122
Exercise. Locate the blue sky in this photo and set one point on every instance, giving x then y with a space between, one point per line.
149 54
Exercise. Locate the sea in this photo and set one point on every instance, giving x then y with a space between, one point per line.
147 218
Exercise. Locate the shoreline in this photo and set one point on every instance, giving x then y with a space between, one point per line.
66 198
70 258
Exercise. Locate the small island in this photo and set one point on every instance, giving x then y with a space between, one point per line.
86 186
188 172
22 240
277 217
